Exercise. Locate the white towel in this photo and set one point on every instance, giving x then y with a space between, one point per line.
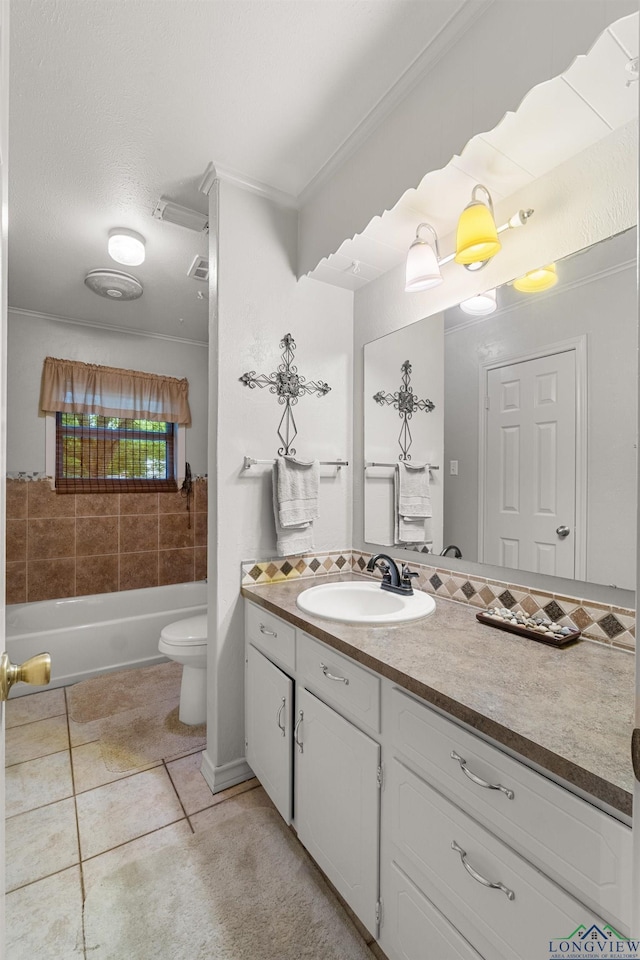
297 491
290 541
409 528
414 496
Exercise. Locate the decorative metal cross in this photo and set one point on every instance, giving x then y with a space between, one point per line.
289 386
406 402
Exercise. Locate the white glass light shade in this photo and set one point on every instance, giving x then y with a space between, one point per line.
126 246
422 267
482 304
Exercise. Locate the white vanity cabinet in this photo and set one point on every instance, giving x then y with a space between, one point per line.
443 844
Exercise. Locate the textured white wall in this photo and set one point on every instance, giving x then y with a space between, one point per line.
31 339
259 301
510 49
587 199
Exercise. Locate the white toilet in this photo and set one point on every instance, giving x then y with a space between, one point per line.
185 641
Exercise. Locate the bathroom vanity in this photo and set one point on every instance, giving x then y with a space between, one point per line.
464 789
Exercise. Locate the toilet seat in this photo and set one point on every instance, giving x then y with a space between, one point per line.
189 632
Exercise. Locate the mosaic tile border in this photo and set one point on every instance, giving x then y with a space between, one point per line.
603 623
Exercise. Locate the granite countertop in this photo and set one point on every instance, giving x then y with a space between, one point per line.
569 710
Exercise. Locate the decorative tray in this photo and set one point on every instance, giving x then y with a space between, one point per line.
550 638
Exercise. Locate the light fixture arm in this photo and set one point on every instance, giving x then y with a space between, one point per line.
489 201
433 234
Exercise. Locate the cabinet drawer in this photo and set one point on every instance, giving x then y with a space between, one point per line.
271 635
582 847
412 924
340 681
517 919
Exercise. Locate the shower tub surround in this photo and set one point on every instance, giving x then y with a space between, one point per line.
73 545
90 635
601 622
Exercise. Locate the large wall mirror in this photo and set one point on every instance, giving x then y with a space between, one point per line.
531 441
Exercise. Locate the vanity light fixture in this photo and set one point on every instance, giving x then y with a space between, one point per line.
423 270
126 246
482 304
477 235
534 281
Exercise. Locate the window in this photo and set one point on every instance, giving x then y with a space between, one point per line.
107 454
112 430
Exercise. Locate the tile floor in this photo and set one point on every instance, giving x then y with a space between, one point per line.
70 820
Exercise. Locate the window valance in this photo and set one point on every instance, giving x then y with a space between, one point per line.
70 386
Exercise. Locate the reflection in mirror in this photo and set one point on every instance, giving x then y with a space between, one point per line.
537 421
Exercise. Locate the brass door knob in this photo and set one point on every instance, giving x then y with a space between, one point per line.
36 670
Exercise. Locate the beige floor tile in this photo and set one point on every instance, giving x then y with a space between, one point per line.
35 706
37 782
213 816
80 733
98 867
121 811
41 842
193 790
38 739
90 770
44 920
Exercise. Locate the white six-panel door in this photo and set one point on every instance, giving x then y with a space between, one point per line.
530 465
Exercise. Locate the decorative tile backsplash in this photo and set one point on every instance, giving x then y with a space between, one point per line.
601 622
70 545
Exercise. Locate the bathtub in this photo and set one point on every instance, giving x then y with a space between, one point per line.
90 635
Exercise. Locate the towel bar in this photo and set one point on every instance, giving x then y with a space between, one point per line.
250 462
375 463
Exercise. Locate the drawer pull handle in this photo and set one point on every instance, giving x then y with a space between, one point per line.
476 876
481 783
279 715
330 676
267 633
295 732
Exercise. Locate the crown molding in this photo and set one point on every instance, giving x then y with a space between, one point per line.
261 189
566 287
448 36
129 331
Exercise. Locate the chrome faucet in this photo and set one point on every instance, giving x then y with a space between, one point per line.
391 578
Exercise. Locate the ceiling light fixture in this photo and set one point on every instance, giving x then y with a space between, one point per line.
182 216
126 246
423 269
482 304
535 281
477 234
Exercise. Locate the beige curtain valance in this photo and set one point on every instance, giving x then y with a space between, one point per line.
70 386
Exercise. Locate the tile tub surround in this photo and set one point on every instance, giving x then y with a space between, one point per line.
568 710
71 545
604 623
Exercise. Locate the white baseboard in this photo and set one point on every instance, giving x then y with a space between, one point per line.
226 775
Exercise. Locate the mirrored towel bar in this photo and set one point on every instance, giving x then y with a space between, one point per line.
250 462
375 463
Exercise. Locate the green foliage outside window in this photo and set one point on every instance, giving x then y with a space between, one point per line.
113 447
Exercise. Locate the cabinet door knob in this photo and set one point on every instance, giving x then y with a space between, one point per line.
295 732
476 876
267 633
478 780
281 726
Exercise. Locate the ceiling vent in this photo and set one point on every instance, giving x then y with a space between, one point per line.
182 216
114 285
199 269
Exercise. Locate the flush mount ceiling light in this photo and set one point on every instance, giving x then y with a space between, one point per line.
537 280
423 270
482 304
477 234
114 285
126 246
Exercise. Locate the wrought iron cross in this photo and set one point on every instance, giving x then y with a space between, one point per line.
289 386
406 402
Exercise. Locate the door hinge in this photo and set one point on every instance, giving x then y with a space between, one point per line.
379 914
246 744
379 776
487 403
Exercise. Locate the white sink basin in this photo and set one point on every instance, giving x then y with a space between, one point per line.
364 603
